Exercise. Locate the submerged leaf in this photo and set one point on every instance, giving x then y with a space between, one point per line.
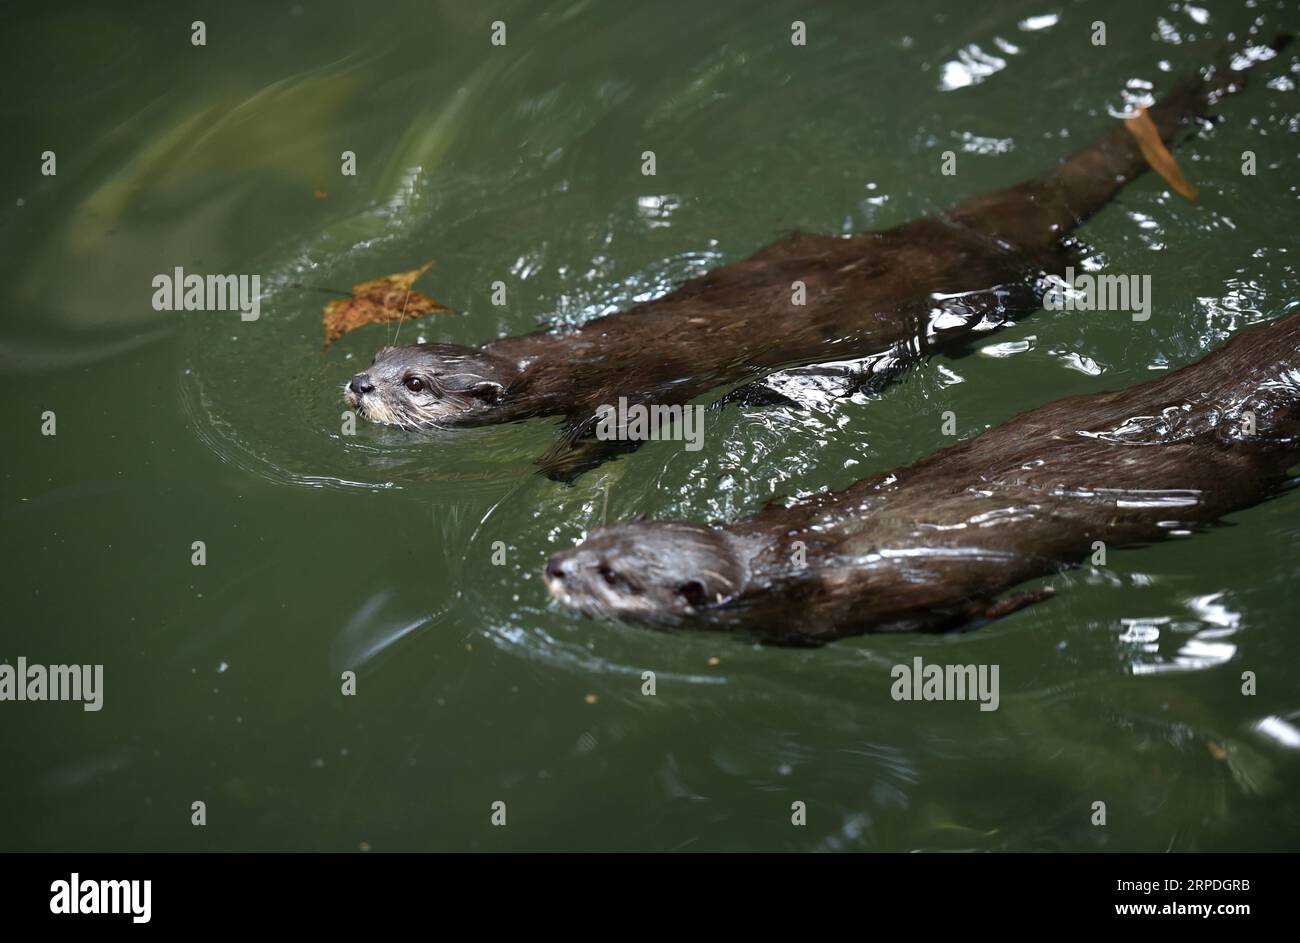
1157 155
378 301
279 131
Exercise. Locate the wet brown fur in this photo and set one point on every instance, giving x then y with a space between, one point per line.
930 546
866 294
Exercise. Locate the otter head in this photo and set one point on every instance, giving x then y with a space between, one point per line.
427 385
662 573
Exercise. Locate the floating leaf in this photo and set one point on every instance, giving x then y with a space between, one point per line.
1157 155
378 301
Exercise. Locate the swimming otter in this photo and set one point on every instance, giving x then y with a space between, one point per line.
884 299
930 546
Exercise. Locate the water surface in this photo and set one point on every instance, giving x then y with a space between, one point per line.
373 553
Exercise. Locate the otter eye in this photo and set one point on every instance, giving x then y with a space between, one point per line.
609 576
414 384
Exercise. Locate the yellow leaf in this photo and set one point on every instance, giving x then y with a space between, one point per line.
1156 154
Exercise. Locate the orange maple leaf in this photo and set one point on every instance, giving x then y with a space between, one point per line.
378 301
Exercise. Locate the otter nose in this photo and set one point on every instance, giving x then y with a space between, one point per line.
555 569
361 384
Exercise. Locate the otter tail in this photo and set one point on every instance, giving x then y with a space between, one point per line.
1037 212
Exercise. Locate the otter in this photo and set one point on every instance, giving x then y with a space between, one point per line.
880 300
931 546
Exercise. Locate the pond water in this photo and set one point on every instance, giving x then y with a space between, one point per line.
373 553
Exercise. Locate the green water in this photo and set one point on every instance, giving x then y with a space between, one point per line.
373 553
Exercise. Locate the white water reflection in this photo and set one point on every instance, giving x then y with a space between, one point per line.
1279 731
972 66
368 632
1008 348
1032 24
1207 647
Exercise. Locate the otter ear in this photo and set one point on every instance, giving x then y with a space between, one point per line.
694 593
487 391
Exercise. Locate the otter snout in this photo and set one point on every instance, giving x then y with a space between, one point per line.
361 384
566 573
